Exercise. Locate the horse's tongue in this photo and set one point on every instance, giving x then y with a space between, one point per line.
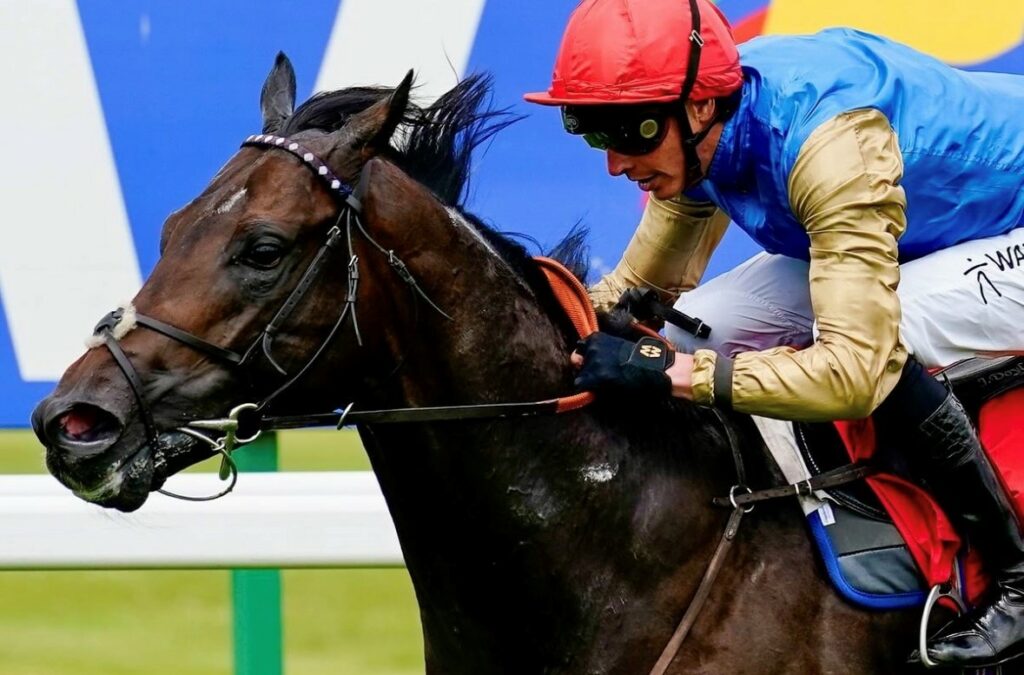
78 423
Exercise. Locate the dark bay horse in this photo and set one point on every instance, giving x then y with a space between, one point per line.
560 544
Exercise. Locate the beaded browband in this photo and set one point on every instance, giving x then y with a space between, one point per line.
339 187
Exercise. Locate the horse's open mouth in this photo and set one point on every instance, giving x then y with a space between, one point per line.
126 485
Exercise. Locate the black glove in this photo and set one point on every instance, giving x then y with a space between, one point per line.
644 305
611 364
633 305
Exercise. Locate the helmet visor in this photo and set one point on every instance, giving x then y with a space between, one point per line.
625 129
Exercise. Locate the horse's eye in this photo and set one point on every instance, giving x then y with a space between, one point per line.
264 255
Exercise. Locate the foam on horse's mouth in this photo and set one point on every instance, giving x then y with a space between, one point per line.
109 487
127 484
175 452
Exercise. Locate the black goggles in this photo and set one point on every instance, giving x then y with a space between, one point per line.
626 129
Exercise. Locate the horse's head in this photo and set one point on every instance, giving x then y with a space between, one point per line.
258 276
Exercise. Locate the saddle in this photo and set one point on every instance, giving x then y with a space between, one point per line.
883 540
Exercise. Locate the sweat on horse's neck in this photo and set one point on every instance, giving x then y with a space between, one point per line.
532 542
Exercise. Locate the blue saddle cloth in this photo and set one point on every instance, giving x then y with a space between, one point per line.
866 559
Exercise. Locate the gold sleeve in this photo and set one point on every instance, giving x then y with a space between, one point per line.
668 252
845 189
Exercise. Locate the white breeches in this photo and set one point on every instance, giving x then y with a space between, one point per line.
963 301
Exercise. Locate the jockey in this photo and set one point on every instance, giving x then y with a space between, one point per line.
887 190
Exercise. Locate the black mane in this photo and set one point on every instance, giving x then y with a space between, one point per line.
435 147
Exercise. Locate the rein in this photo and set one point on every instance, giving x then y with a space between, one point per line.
573 299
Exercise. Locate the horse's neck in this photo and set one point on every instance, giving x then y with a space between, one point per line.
527 538
572 543
476 335
542 529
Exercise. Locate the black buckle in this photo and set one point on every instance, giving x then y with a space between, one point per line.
109 321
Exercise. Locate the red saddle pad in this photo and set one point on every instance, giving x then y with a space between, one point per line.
930 536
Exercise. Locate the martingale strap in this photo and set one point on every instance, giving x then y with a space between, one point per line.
741 504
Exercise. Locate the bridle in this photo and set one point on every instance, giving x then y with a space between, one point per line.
263 342
247 421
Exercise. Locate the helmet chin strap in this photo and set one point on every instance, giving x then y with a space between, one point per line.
690 141
694 174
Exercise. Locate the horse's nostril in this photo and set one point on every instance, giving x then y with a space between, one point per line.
85 423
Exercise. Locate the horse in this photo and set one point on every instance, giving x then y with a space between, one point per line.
568 543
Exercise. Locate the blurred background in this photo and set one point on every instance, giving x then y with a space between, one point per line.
116 114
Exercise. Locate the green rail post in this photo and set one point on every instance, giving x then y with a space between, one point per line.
257 593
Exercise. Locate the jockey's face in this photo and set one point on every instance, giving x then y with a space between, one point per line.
660 172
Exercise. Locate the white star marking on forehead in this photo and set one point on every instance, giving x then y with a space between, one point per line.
230 202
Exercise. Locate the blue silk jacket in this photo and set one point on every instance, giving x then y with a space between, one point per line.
961 135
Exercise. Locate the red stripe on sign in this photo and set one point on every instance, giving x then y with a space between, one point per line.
751 25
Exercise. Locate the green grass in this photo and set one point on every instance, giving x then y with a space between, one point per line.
359 622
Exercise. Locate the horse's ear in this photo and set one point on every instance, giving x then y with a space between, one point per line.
372 128
367 133
277 101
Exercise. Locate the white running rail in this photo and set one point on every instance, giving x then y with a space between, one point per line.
286 519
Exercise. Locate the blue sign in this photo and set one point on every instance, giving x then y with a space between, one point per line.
125 111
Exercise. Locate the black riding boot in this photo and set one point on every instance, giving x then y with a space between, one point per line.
940 449
964 483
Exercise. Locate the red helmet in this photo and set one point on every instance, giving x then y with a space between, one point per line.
639 51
